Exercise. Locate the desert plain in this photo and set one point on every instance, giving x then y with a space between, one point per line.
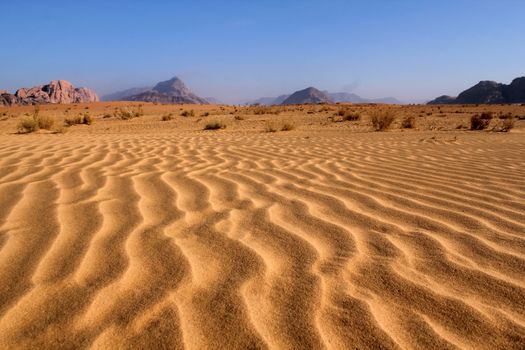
290 227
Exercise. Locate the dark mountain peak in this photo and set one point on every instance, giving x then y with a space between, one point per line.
488 92
308 95
170 91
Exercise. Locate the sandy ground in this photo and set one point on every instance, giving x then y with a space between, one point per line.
148 234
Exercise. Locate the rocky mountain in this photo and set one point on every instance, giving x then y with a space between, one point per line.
488 92
334 96
57 91
169 91
308 95
122 95
353 98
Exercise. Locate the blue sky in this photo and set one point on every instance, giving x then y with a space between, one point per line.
237 50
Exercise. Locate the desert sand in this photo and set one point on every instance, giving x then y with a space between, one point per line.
155 234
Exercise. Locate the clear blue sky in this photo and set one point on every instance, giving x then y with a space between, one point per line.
236 50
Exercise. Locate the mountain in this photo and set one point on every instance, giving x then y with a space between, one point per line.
353 98
308 95
122 95
169 91
488 92
334 96
269 100
57 91
213 101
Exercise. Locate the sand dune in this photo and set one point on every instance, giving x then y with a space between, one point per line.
238 240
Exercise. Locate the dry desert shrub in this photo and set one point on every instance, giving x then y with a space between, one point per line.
381 120
269 127
480 122
284 126
128 113
84 119
27 125
189 113
35 122
166 117
504 125
287 126
214 126
408 122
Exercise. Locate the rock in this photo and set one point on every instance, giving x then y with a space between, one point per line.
169 91
515 92
57 91
442 100
308 95
483 92
488 92
7 99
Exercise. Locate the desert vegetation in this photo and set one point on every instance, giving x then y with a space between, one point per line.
381 119
35 122
215 125
85 119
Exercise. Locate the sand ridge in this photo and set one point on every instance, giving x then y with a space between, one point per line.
236 240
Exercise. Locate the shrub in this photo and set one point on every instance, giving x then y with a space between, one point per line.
287 127
408 123
45 122
85 119
32 123
478 123
238 117
128 113
351 116
214 126
205 114
382 120
486 115
27 125
270 127
188 113
505 125
167 117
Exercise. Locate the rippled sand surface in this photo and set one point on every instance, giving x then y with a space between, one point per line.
283 241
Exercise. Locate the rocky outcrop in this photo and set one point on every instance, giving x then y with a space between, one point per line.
7 99
488 92
57 91
515 92
169 91
442 100
308 95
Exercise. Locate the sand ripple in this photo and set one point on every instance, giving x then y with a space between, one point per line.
262 241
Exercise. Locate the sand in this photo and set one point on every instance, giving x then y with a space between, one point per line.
126 235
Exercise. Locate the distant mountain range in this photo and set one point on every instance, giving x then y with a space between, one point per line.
169 91
120 95
310 93
487 92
